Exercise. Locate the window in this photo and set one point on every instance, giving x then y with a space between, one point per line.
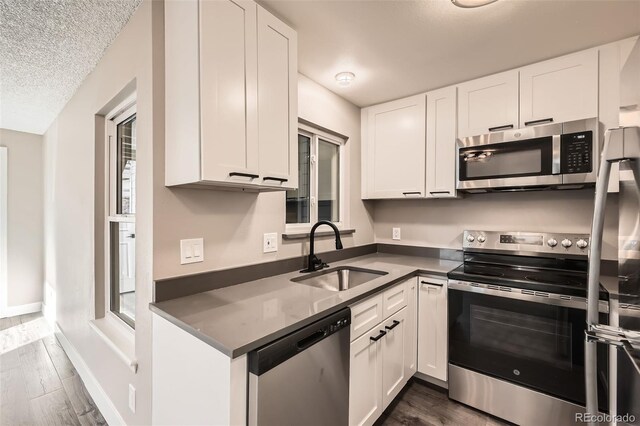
320 184
121 250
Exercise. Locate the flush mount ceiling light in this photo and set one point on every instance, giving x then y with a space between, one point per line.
345 78
471 3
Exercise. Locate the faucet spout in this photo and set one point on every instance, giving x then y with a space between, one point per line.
313 263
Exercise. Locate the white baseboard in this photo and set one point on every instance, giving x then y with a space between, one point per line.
29 308
102 401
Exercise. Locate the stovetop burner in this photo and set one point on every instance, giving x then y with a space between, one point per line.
532 274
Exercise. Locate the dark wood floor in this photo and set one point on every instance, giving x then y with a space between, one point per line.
38 384
422 404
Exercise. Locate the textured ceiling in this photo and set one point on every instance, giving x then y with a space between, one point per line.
47 48
402 47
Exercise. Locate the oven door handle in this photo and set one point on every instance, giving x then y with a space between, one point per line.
544 298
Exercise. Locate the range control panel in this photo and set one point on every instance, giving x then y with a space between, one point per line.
536 242
576 153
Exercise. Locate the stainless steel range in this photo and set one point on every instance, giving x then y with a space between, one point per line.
517 318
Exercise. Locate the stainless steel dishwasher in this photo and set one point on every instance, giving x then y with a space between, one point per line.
303 378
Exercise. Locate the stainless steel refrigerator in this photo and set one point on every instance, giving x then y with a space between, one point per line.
622 333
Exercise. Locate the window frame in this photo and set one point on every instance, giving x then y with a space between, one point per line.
124 112
315 134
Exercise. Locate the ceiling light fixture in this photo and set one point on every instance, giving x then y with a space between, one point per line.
345 78
471 3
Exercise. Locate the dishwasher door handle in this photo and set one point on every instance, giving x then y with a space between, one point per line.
310 340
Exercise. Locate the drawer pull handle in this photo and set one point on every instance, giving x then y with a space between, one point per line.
498 128
541 121
412 193
379 336
392 326
281 180
247 175
435 284
439 192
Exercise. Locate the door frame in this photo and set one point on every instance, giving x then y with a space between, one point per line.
4 294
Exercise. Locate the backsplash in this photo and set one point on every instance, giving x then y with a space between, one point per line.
440 223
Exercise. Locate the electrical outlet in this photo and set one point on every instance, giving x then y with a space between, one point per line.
395 233
270 242
191 251
132 398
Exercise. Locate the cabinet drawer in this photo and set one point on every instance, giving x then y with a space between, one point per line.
394 299
365 315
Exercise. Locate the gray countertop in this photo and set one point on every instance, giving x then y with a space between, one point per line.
243 317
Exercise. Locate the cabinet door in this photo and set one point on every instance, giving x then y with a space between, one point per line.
365 379
277 102
441 143
393 356
395 149
411 343
561 89
228 125
488 104
432 328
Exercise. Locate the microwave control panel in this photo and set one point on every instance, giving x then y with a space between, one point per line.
576 153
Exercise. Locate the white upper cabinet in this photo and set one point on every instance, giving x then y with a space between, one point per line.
394 149
231 96
277 102
441 143
561 89
227 90
488 104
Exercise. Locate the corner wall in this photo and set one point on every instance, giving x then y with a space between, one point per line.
24 220
70 145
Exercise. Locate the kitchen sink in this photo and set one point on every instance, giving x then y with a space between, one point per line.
339 279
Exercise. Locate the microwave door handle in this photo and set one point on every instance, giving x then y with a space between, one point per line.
556 155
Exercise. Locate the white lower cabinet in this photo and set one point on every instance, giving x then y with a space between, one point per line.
411 352
432 327
394 374
379 357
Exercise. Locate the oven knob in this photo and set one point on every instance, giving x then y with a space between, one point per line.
552 242
566 243
481 239
582 244
470 238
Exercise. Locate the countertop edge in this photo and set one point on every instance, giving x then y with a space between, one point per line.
235 353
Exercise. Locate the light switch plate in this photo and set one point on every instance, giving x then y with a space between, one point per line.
396 233
191 251
270 242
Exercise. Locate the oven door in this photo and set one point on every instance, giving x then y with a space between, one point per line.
513 164
513 337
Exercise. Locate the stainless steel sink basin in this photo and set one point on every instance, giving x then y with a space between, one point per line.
339 279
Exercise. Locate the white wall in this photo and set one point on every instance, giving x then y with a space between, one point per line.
24 217
440 223
69 208
233 223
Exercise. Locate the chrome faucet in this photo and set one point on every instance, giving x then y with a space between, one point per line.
313 263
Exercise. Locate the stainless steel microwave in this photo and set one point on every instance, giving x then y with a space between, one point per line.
556 155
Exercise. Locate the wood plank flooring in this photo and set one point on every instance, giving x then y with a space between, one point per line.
420 403
38 384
